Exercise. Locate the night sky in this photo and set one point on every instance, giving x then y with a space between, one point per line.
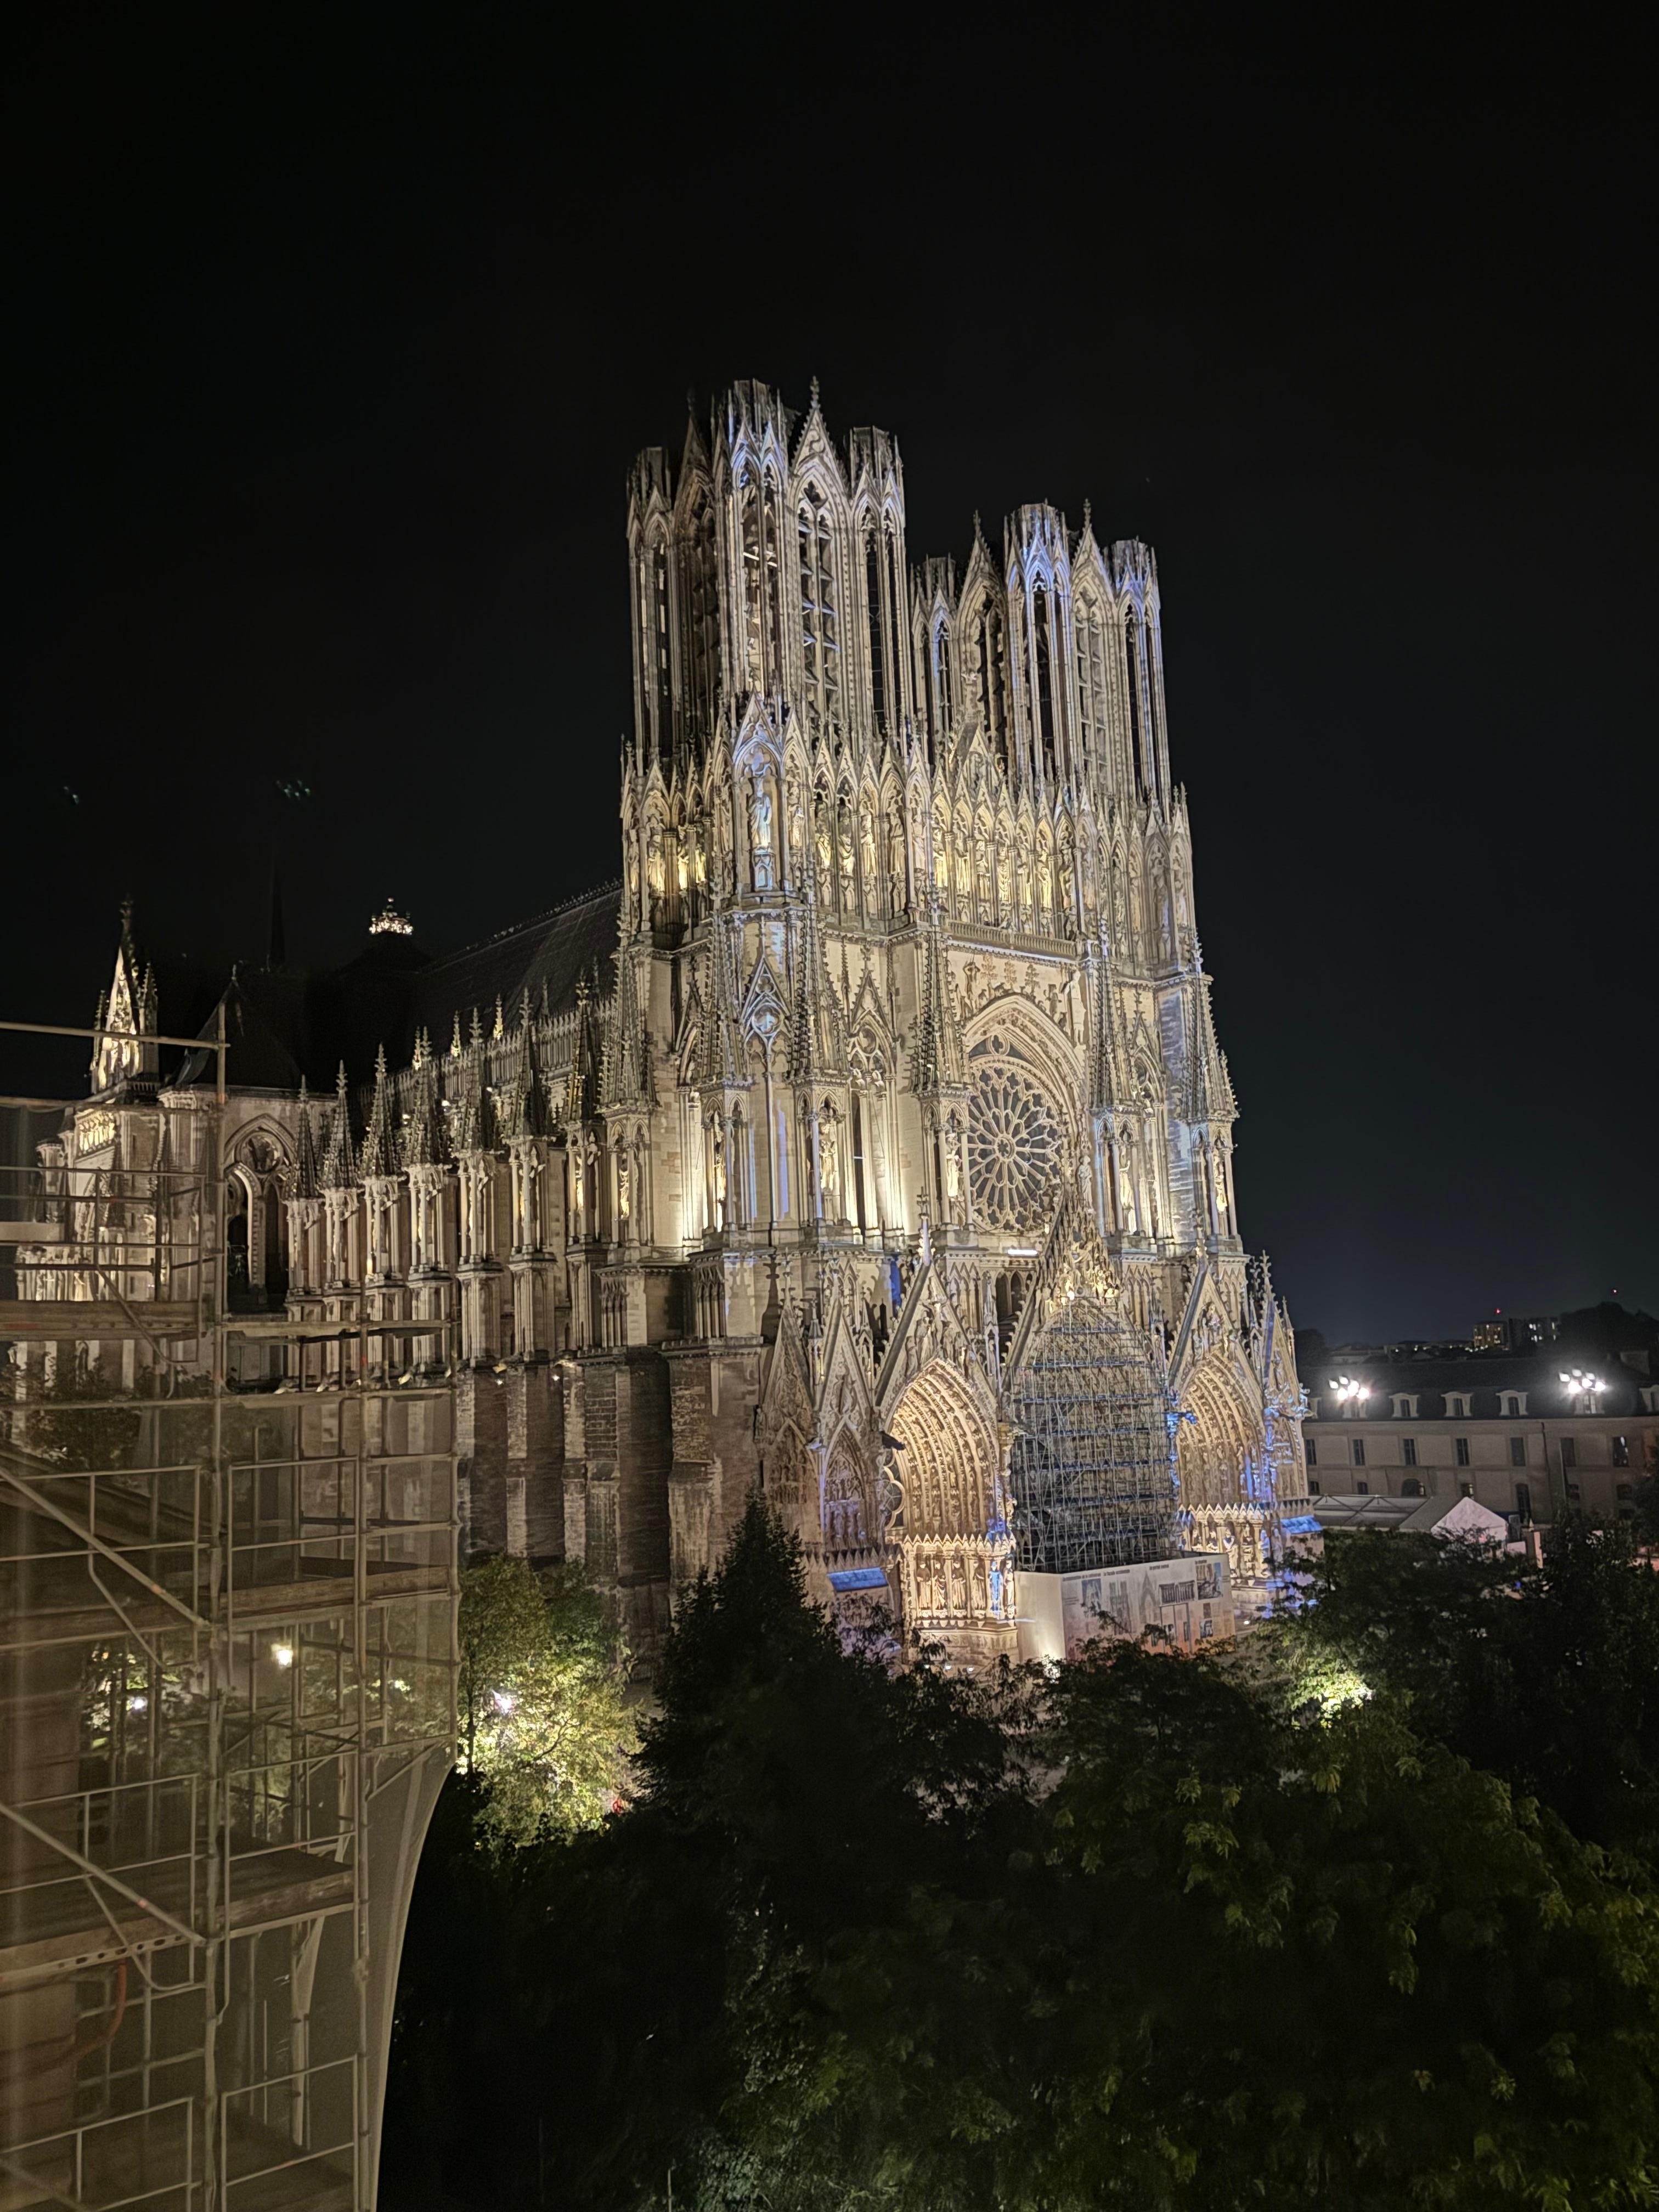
328 358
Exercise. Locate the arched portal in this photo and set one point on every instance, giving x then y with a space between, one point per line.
1227 1486
956 1555
1092 1470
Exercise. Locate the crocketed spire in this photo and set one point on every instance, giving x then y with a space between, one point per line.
381 1142
339 1158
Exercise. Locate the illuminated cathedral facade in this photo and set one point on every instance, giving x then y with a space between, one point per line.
868 1145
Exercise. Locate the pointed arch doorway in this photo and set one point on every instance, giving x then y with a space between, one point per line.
955 1552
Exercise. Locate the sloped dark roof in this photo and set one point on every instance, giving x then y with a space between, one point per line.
555 949
1482 1377
289 1022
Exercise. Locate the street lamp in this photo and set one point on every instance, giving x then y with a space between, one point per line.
1350 1395
1582 1386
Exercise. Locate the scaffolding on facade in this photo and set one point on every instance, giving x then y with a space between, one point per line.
1092 1470
226 1694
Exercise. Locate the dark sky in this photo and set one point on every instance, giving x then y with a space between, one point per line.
328 356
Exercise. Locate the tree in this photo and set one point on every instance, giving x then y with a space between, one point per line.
1158 1932
1548 1676
543 1685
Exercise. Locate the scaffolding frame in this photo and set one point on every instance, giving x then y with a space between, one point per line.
226 1700
1092 1469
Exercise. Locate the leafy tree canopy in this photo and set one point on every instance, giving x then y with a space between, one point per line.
1217 1932
545 1722
1548 1676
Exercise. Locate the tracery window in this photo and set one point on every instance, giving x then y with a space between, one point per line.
1092 676
880 560
703 615
1043 617
820 626
1152 784
992 674
748 515
1131 678
1014 1151
658 648
938 672
772 568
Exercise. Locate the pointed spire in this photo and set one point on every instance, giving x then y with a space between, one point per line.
1209 1088
819 1031
304 1173
939 1058
381 1144
339 1170
500 1030
722 1059
627 1073
420 1145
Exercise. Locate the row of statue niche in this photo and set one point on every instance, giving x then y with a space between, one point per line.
628 1178
980 866
952 1587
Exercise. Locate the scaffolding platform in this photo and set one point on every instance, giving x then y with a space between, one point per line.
227 1605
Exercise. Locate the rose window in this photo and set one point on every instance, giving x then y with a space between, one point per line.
1013 1146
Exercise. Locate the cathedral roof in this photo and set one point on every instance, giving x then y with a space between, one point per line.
287 1024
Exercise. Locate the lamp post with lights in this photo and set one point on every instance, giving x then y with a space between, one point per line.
1349 1395
1582 1388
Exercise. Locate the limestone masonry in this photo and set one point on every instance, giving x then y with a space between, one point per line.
869 1142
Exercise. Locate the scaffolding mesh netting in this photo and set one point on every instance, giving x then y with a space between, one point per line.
1092 1470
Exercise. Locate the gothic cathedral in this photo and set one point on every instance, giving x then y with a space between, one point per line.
870 1144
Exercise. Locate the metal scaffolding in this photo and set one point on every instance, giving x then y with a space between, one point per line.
227 1701
1092 1469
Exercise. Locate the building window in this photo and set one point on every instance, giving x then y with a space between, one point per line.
1461 1445
1405 1405
1358 1451
1569 1451
1457 1405
1517 1451
1313 1487
1408 1446
1623 1490
1362 1490
1313 1452
1621 1451
1411 1487
1466 1489
1574 1494
1522 1500
1513 1403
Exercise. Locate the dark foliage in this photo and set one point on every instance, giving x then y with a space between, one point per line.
1548 1676
1160 1933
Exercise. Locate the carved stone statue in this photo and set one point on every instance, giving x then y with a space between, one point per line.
828 1161
759 837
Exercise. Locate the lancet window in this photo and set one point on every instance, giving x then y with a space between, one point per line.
991 653
657 648
819 616
942 702
1132 679
1090 675
702 627
1042 623
881 672
749 526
